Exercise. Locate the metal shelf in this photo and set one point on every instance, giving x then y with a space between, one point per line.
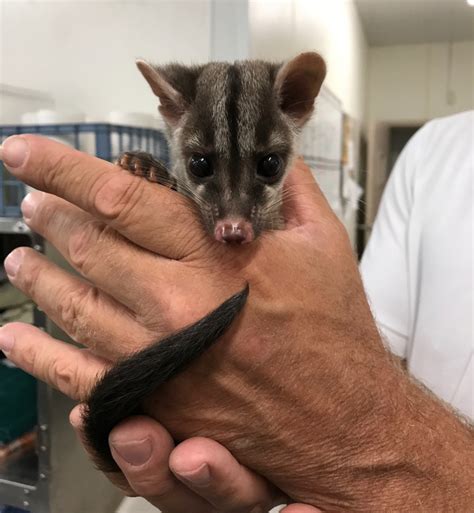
20 469
46 480
54 480
24 476
19 478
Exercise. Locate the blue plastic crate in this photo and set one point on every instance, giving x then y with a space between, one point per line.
104 140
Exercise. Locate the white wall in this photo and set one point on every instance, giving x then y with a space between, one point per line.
15 101
280 29
413 82
82 53
229 30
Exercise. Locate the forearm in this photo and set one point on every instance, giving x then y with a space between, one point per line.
302 391
402 450
394 447
416 456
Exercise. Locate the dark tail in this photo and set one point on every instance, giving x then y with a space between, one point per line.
121 390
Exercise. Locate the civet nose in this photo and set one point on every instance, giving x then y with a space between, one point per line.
234 230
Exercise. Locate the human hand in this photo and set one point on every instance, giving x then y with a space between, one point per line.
109 228
198 475
294 389
233 487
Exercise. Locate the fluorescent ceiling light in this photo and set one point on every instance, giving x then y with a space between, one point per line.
470 2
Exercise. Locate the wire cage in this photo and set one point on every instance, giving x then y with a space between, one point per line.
104 140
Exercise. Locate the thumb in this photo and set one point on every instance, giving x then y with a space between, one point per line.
303 200
116 478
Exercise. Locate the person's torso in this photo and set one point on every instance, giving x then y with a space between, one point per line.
440 264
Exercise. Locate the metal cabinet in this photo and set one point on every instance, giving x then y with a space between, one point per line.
53 477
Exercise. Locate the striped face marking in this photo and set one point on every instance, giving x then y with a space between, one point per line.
234 120
232 130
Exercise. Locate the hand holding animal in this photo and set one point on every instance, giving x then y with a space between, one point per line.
232 131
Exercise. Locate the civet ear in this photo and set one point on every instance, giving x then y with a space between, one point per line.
164 82
297 84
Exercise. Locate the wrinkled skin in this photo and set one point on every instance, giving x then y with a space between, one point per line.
301 390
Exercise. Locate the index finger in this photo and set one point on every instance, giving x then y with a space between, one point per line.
150 215
72 371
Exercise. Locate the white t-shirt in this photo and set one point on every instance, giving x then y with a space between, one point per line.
418 265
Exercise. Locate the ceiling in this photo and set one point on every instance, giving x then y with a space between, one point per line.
391 22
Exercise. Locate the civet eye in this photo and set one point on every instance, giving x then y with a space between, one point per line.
200 166
270 167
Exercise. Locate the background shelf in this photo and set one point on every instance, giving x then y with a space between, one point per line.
46 480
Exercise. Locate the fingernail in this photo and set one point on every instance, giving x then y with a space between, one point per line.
12 263
14 151
198 477
75 417
6 341
136 452
28 205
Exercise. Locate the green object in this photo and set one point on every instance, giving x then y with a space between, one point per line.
17 403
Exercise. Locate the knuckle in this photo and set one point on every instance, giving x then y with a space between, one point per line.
192 243
32 362
65 376
45 212
55 170
81 240
29 274
117 196
72 310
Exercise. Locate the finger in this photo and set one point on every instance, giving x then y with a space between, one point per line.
303 199
141 448
210 470
148 214
116 478
300 508
84 312
95 250
63 366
